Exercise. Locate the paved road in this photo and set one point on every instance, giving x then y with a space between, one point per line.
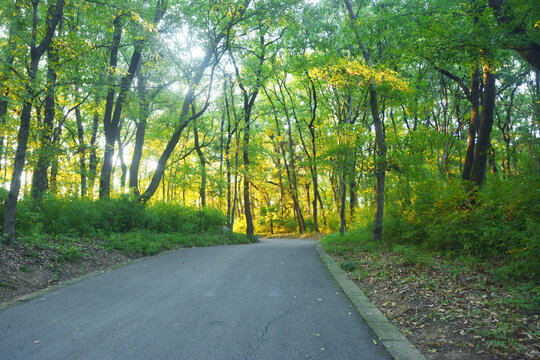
270 300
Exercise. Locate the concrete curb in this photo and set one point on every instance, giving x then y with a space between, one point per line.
397 345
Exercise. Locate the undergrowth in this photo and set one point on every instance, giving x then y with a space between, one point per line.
496 230
64 225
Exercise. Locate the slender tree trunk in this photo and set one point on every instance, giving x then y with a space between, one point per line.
202 166
473 126
108 126
353 201
380 166
93 160
123 166
313 165
315 180
227 155
144 113
53 181
18 166
290 165
342 188
81 150
111 124
235 196
294 181
379 138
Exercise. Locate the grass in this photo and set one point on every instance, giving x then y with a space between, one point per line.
144 242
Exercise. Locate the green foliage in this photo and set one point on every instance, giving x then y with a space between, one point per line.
71 253
83 217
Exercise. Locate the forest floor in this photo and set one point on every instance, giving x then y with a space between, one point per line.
449 311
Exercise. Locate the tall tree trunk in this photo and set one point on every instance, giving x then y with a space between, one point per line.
342 188
111 124
249 101
235 196
39 176
108 126
290 166
4 81
36 52
353 200
294 182
484 129
313 158
250 229
230 134
315 180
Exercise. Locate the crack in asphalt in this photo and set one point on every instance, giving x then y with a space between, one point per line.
262 338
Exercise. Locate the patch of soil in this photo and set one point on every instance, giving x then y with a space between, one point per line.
25 270
448 314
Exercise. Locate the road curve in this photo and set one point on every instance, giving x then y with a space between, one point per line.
270 300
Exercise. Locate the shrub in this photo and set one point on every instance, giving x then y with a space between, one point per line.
210 219
348 265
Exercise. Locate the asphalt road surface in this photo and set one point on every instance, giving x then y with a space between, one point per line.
270 300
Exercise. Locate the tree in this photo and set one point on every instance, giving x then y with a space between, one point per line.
111 120
36 51
380 171
213 52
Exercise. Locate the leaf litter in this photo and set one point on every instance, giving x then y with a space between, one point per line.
449 314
